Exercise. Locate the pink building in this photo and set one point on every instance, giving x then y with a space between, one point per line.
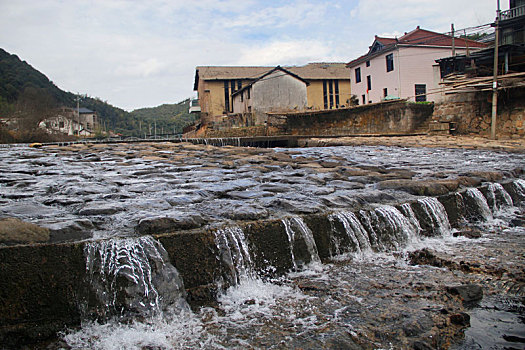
404 67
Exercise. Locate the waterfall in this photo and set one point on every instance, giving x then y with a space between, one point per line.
234 253
475 201
296 227
133 275
354 229
398 228
436 216
498 197
408 212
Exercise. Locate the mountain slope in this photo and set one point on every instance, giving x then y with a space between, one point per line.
16 76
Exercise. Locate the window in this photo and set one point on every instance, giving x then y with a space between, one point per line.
385 92
368 63
364 99
331 89
389 62
325 95
239 84
249 91
358 75
368 82
61 125
336 87
421 90
226 97
242 96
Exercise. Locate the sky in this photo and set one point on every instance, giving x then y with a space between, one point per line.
136 54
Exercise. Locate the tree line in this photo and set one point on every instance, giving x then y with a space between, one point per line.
29 97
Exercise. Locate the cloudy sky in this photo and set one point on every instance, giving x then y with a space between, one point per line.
143 53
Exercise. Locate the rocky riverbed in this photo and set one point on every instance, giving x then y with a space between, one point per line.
459 289
92 190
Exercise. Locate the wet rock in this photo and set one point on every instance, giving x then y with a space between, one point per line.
14 231
297 206
460 319
246 213
421 187
468 233
246 194
329 164
490 176
347 185
174 221
421 345
30 210
455 208
69 230
467 292
100 208
467 181
281 157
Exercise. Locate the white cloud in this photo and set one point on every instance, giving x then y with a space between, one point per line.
143 53
285 53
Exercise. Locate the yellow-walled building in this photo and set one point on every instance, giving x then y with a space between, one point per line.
329 86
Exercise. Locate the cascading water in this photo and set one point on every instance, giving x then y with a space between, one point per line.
407 211
398 229
499 197
435 216
234 253
476 204
295 227
354 229
132 276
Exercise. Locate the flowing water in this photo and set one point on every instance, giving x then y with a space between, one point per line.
361 299
366 294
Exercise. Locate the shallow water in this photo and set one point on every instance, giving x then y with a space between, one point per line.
359 300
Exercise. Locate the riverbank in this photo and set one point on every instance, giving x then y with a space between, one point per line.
434 141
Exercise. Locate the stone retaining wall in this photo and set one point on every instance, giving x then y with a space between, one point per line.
472 112
396 117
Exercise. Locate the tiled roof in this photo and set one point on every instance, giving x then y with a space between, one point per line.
418 37
310 71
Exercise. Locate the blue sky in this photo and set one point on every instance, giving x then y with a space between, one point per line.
143 53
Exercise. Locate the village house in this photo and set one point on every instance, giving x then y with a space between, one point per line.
275 91
404 67
70 121
328 86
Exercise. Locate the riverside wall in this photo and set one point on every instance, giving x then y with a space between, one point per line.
394 117
471 112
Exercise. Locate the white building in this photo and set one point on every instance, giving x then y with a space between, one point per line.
278 90
404 67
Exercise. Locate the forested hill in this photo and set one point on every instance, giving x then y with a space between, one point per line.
169 118
17 78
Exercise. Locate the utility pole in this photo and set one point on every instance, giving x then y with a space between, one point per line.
78 114
495 80
453 41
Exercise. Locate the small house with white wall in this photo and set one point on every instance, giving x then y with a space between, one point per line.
277 90
404 67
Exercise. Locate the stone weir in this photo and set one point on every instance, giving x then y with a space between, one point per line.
45 288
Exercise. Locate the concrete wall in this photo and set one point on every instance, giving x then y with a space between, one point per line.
472 112
397 117
277 92
412 65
